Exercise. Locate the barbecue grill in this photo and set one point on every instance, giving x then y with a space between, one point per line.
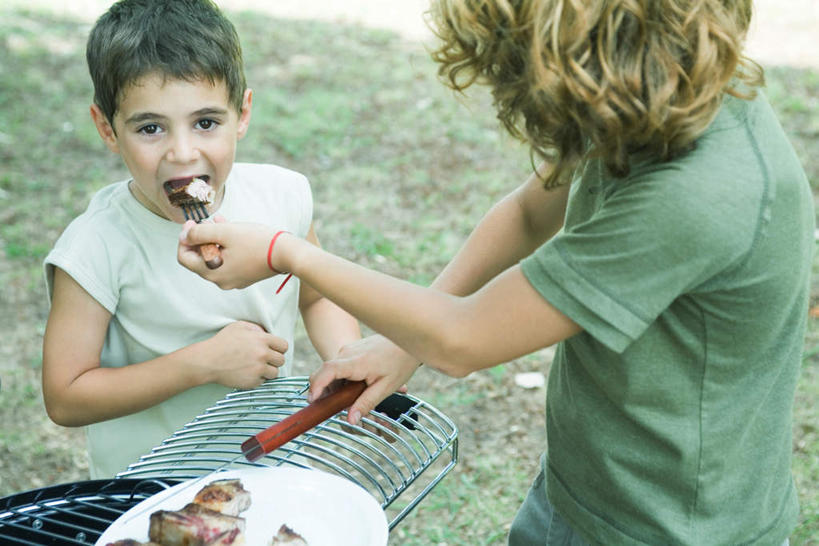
397 457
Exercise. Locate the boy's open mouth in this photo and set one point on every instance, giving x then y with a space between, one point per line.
189 191
176 183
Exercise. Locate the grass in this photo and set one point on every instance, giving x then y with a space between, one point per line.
806 442
400 171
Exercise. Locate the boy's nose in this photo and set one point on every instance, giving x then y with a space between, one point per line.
182 149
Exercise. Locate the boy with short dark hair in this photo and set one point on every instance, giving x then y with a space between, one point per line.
135 345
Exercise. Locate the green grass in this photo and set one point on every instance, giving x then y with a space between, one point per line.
806 441
400 170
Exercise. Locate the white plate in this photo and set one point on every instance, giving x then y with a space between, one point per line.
327 510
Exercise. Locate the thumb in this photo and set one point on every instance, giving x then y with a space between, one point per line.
197 234
186 227
365 403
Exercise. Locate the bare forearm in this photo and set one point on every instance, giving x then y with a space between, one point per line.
454 334
496 243
103 393
329 327
420 328
511 230
439 326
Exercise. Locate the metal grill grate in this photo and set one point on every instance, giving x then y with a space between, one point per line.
71 514
397 460
385 457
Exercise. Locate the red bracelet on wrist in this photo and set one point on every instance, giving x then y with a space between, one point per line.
270 263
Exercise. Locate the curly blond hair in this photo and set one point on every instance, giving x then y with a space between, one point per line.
604 78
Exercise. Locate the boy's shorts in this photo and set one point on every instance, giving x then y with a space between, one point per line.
537 523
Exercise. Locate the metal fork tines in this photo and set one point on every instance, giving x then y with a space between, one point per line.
194 210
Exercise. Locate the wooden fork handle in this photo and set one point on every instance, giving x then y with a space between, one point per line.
211 254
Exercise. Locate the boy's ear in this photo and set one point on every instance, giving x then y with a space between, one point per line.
104 128
244 115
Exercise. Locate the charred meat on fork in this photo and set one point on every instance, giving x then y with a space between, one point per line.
192 195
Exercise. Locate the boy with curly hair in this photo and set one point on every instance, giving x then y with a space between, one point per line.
665 244
136 346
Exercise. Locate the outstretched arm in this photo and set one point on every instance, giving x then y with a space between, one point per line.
511 230
497 321
329 326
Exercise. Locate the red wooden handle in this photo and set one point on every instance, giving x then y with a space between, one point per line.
303 420
211 254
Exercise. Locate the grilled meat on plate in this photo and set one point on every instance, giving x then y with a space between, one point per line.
225 496
195 525
288 537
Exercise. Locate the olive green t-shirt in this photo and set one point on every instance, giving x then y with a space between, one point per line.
669 416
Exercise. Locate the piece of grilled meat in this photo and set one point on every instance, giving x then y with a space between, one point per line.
225 496
288 537
196 525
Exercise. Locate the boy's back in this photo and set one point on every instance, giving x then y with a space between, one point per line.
667 415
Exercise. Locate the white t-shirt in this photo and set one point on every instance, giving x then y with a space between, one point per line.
124 256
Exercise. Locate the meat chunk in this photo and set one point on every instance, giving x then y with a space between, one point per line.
196 525
193 190
225 496
288 537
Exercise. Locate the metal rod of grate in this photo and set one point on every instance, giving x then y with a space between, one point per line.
70 514
395 459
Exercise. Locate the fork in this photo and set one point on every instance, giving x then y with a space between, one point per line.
196 211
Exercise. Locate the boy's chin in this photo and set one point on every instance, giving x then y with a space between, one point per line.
172 214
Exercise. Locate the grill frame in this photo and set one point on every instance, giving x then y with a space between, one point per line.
423 451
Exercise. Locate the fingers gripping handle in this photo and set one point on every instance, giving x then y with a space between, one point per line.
303 420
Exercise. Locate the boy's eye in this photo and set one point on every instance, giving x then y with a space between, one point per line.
206 124
150 129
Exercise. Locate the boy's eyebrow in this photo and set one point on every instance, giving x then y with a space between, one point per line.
209 111
139 117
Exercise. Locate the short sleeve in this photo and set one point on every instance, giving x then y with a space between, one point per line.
271 195
652 240
306 201
85 256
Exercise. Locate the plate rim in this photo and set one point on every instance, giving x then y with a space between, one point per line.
381 537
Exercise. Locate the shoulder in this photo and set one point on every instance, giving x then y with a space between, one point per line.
732 178
94 246
269 175
270 193
101 217
721 186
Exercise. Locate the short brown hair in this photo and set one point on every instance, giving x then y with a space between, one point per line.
184 39
604 77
